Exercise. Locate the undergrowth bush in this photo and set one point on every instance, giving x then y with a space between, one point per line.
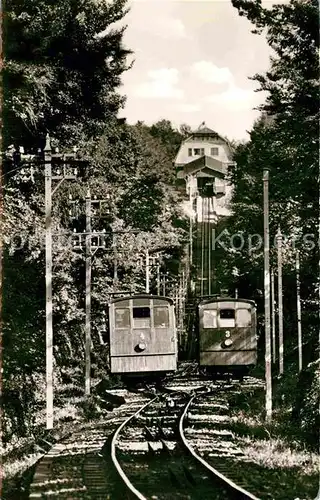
306 408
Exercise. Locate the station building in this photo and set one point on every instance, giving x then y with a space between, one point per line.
202 164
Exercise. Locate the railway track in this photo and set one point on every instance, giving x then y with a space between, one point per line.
237 487
79 466
209 435
154 458
148 440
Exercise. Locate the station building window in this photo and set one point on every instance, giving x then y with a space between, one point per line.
122 318
141 317
190 152
198 151
214 151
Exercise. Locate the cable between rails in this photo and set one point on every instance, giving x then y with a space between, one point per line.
203 462
113 452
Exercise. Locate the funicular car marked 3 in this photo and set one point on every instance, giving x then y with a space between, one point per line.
227 335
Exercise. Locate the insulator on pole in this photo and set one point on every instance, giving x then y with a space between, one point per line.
48 143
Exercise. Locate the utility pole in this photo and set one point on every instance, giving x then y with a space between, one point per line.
280 308
182 295
115 260
147 272
93 242
59 176
88 295
164 285
209 247
267 294
273 319
299 310
235 274
190 223
202 246
158 278
49 328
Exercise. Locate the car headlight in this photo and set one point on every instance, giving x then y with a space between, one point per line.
228 342
142 346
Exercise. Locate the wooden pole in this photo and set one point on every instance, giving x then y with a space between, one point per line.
115 259
158 278
267 295
202 245
49 327
147 272
209 250
190 224
182 291
299 310
273 315
280 307
88 295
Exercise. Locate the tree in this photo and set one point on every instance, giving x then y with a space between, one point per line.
170 138
62 65
185 130
285 139
63 61
137 182
292 86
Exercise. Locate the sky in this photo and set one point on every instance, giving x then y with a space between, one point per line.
192 60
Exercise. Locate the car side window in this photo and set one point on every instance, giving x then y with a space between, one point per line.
161 317
122 318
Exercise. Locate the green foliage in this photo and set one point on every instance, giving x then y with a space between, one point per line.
169 137
131 172
307 402
286 140
62 63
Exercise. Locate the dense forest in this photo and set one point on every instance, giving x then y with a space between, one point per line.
62 68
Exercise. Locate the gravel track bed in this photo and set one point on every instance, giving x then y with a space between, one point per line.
157 464
213 439
80 466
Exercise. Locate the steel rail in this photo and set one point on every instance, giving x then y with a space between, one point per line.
204 463
113 451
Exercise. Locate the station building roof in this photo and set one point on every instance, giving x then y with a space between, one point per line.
210 165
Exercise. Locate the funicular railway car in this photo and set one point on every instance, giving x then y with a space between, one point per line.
227 335
143 338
